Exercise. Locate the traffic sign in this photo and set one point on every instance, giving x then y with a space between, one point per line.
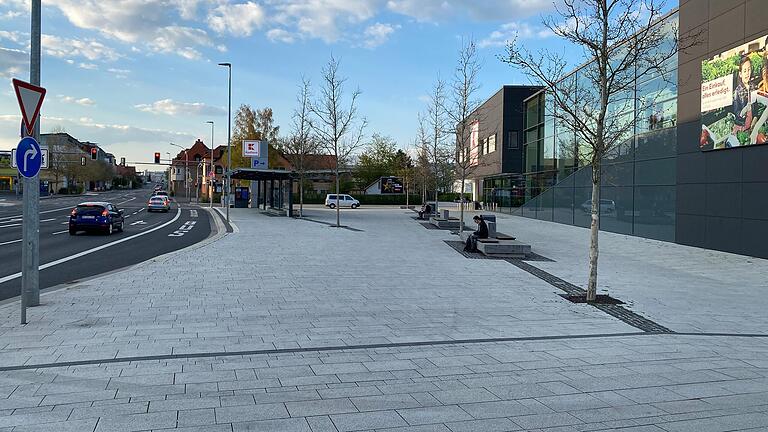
252 148
29 157
30 99
44 164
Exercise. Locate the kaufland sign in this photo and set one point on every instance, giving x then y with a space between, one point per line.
251 148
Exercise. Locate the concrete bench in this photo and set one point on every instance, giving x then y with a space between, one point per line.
449 224
502 246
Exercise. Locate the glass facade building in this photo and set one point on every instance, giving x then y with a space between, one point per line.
638 175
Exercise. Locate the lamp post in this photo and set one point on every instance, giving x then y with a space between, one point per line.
229 137
169 171
213 170
186 170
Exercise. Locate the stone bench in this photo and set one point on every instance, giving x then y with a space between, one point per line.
448 224
502 246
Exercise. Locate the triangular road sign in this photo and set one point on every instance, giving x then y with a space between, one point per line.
30 100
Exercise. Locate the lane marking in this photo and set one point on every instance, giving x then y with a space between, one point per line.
60 232
139 222
193 213
8 226
96 249
9 242
4 218
47 220
183 229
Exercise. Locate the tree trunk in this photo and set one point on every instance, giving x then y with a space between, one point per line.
301 195
461 206
338 210
593 237
406 191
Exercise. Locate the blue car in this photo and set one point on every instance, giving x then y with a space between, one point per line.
96 216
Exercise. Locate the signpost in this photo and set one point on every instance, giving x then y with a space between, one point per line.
29 158
258 151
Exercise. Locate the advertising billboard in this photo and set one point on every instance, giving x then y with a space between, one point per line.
391 185
734 95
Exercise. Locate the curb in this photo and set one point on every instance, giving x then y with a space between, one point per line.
234 227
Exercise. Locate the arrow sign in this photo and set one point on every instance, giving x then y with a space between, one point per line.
30 99
29 157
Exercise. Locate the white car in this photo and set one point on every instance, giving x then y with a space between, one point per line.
344 201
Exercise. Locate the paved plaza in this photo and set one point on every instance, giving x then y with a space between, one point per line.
292 325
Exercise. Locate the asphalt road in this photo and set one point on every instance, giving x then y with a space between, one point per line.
65 258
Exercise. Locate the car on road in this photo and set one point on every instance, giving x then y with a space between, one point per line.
161 193
344 201
158 203
96 216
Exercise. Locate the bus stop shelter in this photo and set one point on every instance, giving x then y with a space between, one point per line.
270 189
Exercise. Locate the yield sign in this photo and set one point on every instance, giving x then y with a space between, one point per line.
30 100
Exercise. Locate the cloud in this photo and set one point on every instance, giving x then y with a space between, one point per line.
13 63
280 35
80 101
323 19
173 108
514 30
377 34
89 49
150 24
485 10
14 36
236 19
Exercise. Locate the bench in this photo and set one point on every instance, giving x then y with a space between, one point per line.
448 224
500 245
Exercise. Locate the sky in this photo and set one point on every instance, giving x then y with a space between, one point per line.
135 75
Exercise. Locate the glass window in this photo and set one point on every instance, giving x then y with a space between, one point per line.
532 112
512 140
616 209
655 212
492 143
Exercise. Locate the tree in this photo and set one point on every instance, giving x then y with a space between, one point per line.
300 144
403 167
622 44
460 104
377 160
252 124
436 129
336 124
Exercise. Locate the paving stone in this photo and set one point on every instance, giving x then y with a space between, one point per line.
282 425
235 414
436 414
385 402
196 417
320 407
63 426
137 422
367 420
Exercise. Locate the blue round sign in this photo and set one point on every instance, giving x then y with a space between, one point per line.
29 157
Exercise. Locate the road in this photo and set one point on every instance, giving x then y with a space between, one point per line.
65 258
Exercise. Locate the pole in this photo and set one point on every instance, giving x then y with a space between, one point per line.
212 174
229 138
30 258
186 175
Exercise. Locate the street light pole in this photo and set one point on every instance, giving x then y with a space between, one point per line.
229 136
213 170
186 171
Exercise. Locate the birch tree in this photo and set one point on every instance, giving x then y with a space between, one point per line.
335 122
435 125
623 41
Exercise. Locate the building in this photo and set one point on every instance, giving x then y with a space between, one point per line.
495 143
694 170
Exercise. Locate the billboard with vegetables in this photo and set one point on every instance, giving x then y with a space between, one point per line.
734 97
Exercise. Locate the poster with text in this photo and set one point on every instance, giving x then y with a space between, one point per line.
734 95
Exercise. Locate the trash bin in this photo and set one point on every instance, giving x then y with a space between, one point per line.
477 206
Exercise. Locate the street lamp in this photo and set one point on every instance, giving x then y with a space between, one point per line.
229 137
186 170
213 170
168 186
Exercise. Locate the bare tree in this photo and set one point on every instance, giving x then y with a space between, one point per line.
624 40
460 104
335 125
436 129
300 144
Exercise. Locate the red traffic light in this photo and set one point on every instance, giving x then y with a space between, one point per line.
157 157
94 152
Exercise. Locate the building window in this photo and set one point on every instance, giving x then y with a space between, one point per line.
491 143
512 142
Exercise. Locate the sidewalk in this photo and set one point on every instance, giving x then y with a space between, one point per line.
292 325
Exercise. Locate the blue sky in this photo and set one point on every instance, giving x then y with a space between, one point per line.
133 75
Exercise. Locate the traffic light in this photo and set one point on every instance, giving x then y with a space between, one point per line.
122 161
94 152
157 157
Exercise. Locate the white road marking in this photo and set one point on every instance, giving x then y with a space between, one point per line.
8 226
5 218
48 220
9 242
139 222
193 213
60 232
183 229
96 249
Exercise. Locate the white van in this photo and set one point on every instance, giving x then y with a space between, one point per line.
344 201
